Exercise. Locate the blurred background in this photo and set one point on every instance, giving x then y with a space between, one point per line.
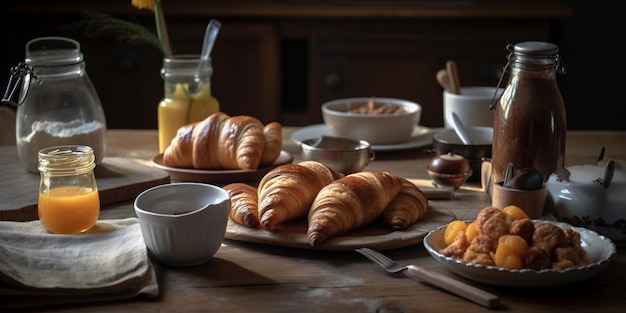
280 60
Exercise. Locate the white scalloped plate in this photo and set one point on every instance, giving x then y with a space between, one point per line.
600 249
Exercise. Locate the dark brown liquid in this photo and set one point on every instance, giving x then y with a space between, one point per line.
529 125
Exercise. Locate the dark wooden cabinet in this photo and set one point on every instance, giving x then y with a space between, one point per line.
401 59
280 60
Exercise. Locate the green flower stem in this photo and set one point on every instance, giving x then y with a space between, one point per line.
162 29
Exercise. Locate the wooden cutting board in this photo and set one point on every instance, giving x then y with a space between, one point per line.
118 179
374 235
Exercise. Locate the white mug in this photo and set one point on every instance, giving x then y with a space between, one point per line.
471 106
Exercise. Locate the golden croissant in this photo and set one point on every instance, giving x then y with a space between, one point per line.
350 202
224 142
273 134
244 204
287 191
406 208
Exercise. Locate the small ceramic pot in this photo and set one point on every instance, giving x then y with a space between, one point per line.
449 170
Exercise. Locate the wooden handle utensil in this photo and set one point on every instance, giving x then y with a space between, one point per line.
453 75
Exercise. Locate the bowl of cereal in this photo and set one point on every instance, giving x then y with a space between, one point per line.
379 121
514 260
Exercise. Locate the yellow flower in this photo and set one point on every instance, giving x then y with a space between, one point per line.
145 4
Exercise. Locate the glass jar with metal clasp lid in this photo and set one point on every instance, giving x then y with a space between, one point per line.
530 126
58 104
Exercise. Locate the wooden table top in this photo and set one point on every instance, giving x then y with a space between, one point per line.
264 278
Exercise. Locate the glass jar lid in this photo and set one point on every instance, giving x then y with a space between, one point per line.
53 51
535 48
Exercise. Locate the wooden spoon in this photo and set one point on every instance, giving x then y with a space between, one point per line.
444 80
453 74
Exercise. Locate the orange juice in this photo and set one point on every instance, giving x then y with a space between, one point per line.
181 108
69 210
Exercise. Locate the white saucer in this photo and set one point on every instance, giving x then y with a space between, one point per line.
421 137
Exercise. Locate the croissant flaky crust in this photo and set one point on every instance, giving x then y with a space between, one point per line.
244 204
224 142
349 203
406 208
287 191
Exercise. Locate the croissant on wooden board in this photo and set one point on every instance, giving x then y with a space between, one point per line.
244 205
224 142
406 208
287 191
350 202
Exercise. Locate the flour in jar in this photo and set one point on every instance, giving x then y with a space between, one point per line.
54 133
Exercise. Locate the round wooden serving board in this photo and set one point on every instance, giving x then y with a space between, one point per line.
375 236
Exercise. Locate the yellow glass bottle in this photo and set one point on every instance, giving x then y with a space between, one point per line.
187 96
68 195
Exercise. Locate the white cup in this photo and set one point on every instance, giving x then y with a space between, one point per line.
471 106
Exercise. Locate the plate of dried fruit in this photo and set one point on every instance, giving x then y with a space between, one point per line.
600 251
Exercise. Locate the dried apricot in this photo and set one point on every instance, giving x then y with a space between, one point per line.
509 251
471 231
515 212
452 229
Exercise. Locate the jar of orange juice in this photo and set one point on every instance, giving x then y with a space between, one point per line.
187 95
68 195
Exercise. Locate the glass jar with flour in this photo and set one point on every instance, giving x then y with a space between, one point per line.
58 104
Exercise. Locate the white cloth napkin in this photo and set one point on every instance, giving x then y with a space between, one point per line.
110 261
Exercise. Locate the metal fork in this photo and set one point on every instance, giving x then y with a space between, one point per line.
444 282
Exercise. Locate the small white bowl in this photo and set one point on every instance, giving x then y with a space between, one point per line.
183 224
377 129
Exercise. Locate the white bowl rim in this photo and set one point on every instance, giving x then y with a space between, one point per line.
326 107
178 185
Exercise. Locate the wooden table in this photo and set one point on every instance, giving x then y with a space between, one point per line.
263 278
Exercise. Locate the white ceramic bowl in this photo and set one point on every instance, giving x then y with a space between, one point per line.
183 224
599 248
377 129
578 196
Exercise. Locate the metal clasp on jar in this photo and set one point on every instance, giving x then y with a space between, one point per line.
557 62
19 73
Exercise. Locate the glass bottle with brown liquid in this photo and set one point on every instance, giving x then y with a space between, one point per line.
529 122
